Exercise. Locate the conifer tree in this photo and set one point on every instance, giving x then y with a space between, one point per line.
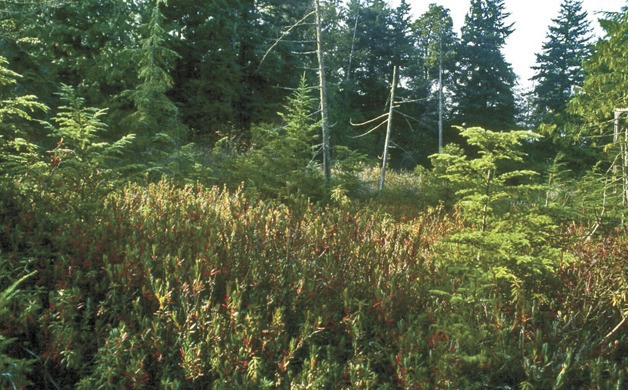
79 43
559 66
220 80
605 85
282 163
377 38
435 39
156 118
485 80
155 59
17 146
507 244
207 79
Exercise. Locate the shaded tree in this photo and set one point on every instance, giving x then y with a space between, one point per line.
282 161
79 43
559 66
378 38
153 108
485 80
220 80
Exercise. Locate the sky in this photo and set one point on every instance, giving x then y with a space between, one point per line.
531 20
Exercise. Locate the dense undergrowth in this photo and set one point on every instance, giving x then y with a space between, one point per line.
179 286
476 273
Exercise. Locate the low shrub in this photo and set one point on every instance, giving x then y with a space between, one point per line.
184 287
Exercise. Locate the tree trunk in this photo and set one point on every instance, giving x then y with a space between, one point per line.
389 127
623 147
323 96
440 99
624 172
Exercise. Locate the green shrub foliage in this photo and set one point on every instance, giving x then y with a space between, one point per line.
184 287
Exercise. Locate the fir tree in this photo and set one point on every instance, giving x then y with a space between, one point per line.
559 66
16 144
435 39
79 43
283 162
485 81
153 107
606 81
377 38
156 119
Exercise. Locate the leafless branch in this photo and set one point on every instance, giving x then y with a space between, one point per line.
286 32
372 130
369 121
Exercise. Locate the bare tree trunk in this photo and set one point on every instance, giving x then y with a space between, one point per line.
624 172
389 127
623 147
355 29
323 95
440 99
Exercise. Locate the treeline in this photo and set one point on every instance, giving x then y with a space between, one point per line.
216 70
226 92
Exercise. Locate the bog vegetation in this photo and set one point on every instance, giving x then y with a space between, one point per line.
166 220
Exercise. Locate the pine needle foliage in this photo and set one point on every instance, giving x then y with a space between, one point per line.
487 190
169 284
81 163
504 249
15 113
155 60
13 372
484 80
283 162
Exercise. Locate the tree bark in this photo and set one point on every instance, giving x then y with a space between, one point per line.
623 147
440 98
323 95
388 127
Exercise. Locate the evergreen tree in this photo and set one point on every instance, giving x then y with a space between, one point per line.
220 80
408 131
559 66
79 43
282 162
156 118
487 185
207 80
605 85
485 81
400 34
372 57
436 40
154 110
17 148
